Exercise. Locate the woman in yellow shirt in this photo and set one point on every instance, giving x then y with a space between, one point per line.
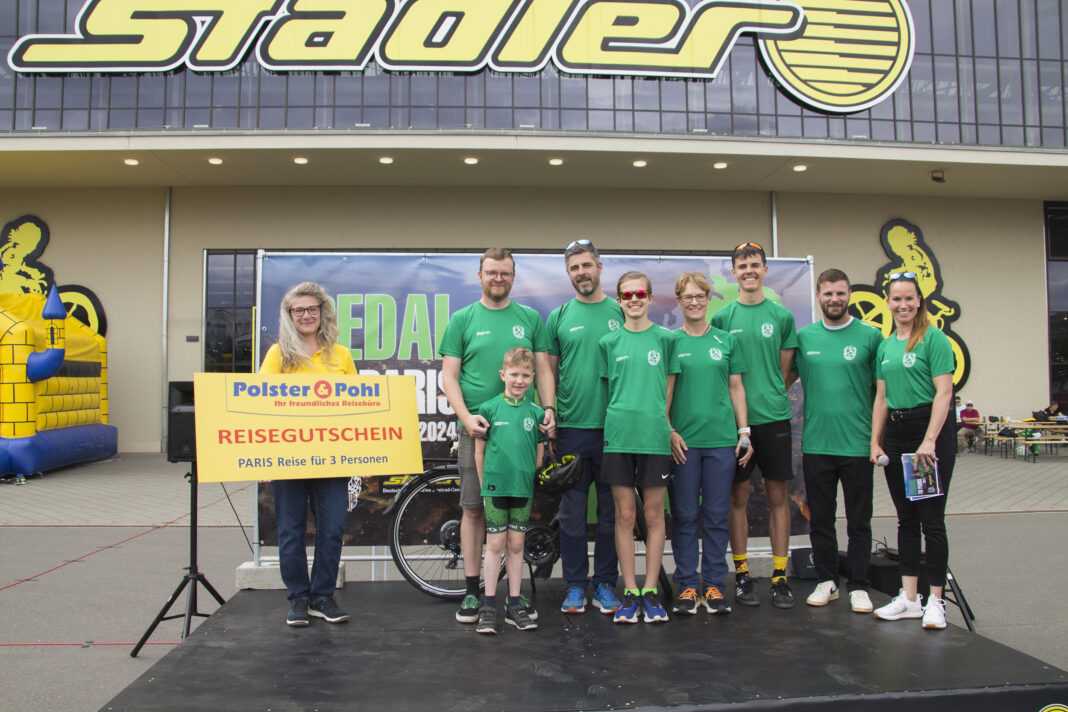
307 343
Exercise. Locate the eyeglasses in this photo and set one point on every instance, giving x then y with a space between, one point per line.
577 243
494 274
636 294
301 311
894 276
748 244
692 298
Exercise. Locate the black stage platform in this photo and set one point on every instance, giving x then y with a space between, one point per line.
404 651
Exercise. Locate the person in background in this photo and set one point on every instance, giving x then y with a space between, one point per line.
911 415
968 434
307 343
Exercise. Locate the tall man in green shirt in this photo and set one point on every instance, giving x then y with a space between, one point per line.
472 348
836 361
768 338
574 330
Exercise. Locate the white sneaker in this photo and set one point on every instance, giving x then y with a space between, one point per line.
901 607
934 613
860 602
825 592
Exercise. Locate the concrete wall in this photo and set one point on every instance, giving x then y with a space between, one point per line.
111 241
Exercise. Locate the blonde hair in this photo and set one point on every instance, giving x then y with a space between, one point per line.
290 342
518 356
698 279
627 276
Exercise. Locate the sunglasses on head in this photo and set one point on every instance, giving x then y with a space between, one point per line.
577 243
748 244
894 276
636 294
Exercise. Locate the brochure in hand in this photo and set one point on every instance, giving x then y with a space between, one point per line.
921 482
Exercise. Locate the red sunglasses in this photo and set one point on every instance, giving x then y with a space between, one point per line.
636 294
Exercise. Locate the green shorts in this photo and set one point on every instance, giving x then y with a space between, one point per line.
504 513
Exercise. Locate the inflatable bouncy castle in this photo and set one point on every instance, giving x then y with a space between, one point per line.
53 388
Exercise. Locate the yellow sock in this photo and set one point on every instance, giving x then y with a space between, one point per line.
741 564
778 563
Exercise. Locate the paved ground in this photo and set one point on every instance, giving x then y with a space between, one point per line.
90 554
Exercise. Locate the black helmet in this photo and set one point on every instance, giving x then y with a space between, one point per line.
560 474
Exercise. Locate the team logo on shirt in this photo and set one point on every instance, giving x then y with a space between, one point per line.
528 424
517 331
767 329
613 324
909 359
716 354
654 357
850 353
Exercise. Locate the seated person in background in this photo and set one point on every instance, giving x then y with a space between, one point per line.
1053 411
969 427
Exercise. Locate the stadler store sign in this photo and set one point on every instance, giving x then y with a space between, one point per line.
834 55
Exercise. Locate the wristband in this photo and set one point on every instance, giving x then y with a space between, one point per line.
550 407
744 431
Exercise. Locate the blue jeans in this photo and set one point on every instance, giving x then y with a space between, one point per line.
574 554
329 504
701 486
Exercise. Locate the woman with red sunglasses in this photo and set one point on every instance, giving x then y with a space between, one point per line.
914 389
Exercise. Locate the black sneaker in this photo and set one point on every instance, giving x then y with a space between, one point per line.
744 593
298 613
781 595
487 620
715 602
516 614
531 610
686 603
328 610
469 609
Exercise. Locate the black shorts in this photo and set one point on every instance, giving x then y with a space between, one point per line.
629 469
774 444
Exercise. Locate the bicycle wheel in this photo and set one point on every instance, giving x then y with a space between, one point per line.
424 535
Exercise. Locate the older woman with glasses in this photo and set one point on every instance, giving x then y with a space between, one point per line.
307 343
914 390
709 433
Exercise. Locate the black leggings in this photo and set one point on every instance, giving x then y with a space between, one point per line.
903 435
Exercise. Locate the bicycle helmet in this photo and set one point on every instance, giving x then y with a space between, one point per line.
560 475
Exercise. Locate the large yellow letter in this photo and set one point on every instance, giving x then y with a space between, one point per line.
325 34
528 40
148 35
444 34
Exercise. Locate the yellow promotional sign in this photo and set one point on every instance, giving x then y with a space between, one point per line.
293 426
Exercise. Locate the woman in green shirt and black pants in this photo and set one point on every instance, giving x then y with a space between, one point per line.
914 389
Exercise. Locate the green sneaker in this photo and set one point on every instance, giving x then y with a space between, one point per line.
468 612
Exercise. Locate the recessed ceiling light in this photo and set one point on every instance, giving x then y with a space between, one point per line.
300 161
639 163
800 168
471 161
719 165
131 161
556 161
385 160
215 161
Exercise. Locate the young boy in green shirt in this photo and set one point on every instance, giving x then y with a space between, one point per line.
506 461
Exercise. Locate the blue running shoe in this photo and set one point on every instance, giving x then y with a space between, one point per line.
575 601
628 611
604 598
654 611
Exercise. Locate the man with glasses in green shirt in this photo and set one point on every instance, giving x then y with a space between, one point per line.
836 360
472 349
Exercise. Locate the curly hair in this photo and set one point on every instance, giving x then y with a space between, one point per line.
290 342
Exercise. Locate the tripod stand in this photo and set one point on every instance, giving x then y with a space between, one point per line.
191 578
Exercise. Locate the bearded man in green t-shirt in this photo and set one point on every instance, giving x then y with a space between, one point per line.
768 338
472 347
836 360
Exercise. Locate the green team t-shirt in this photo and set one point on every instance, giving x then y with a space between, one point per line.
763 330
480 337
574 330
636 366
511 447
910 376
837 368
701 409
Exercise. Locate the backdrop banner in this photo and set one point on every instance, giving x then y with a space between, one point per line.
393 309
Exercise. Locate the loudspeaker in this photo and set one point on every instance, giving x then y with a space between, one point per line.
181 423
804 566
885 572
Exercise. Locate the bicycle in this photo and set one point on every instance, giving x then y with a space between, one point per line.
424 537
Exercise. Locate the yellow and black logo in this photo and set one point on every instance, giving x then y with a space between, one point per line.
850 56
835 55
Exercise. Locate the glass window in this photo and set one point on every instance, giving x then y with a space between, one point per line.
572 92
1008 27
943 26
499 91
230 294
1011 92
647 94
983 28
601 94
1049 28
946 100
